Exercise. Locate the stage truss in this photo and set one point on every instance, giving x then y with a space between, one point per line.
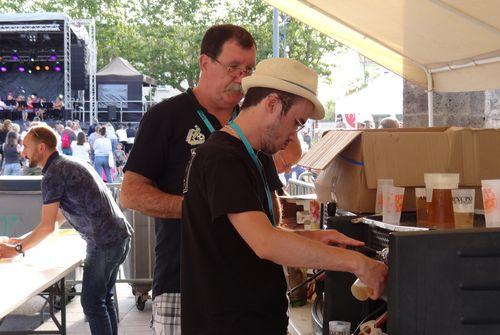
91 55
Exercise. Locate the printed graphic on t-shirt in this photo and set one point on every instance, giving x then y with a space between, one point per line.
195 136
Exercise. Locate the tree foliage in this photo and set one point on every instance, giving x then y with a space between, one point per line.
162 38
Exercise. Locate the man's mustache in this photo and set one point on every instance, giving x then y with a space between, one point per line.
234 87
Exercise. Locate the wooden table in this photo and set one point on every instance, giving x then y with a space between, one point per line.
43 269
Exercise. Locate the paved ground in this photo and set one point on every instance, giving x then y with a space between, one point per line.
132 321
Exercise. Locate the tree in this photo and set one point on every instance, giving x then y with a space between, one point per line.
329 111
162 38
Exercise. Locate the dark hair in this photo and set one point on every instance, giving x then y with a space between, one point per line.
216 36
44 134
80 138
102 131
11 139
256 94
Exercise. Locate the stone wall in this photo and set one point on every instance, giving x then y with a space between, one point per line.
467 109
492 109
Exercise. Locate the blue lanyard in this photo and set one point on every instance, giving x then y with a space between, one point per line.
258 165
206 121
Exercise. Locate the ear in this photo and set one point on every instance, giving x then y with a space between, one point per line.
271 103
41 147
203 61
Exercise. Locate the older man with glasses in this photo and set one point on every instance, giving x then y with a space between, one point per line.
167 136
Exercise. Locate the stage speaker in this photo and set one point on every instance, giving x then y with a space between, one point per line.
111 113
78 67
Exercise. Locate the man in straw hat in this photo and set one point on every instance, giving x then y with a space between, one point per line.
232 281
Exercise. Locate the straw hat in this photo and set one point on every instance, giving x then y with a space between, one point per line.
287 75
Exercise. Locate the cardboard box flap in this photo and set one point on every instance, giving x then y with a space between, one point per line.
329 146
405 156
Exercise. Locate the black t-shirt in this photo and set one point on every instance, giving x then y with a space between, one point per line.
162 148
130 132
226 287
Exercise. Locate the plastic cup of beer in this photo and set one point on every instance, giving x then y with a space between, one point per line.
393 204
463 207
339 328
491 202
381 183
440 211
360 291
421 206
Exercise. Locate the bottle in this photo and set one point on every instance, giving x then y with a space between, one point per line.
360 291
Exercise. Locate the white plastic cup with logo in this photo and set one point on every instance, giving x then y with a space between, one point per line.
393 204
381 183
491 202
463 207
339 328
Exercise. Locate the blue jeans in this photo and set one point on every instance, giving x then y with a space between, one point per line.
67 151
102 163
13 169
99 277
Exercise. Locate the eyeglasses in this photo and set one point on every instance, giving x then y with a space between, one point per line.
299 125
235 70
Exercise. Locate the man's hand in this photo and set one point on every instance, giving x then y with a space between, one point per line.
332 236
7 251
373 274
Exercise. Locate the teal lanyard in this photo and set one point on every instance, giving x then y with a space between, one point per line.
206 121
258 165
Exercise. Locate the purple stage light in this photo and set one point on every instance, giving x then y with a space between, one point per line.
15 58
53 58
21 69
3 69
57 68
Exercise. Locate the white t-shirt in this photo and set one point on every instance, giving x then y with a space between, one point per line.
81 151
122 135
102 146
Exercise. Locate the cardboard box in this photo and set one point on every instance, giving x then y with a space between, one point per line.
356 159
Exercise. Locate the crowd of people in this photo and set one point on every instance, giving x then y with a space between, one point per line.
103 146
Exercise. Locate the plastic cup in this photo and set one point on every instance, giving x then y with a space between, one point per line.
440 206
491 202
339 328
393 204
421 206
463 207
360 291
381 183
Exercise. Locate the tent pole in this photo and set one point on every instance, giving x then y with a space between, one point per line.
430 98
276 33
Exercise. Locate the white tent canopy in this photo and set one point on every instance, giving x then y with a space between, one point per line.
442 45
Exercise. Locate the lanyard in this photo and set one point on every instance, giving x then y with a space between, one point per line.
257 163
206 121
